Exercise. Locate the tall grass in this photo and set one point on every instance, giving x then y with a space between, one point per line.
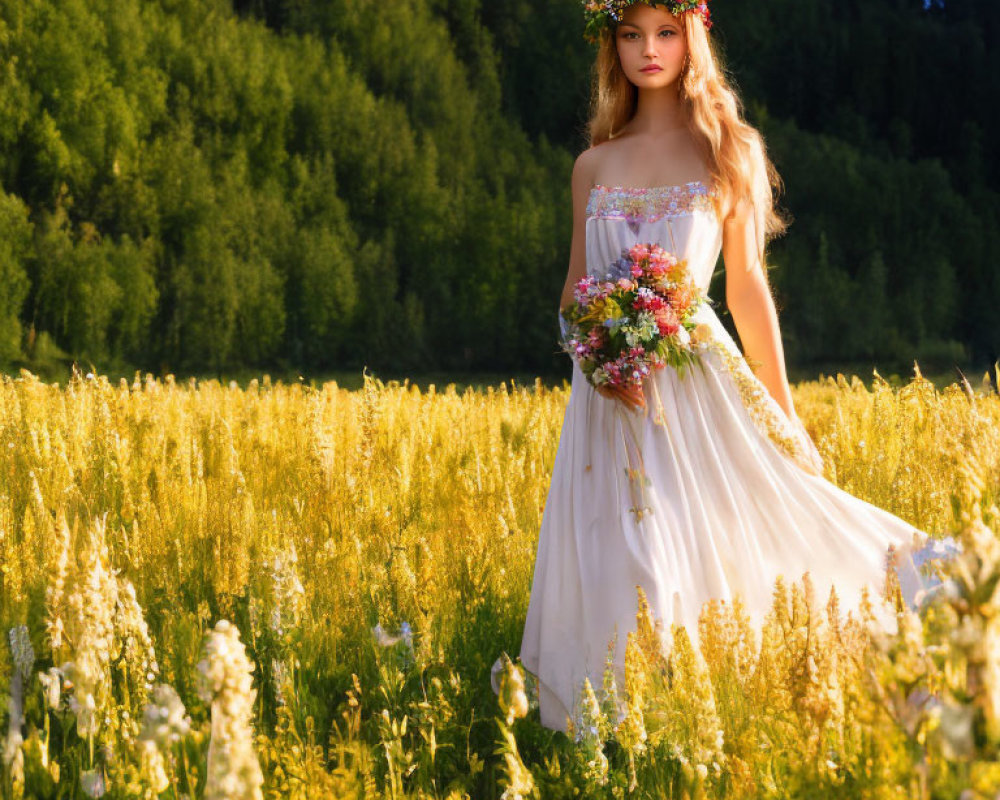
291 591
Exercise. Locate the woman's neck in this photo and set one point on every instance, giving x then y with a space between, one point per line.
658 111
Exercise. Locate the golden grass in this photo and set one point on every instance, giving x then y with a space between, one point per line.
307 517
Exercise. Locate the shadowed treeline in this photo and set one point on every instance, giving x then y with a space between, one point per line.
308 185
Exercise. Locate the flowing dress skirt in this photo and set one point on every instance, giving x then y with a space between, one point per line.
696 498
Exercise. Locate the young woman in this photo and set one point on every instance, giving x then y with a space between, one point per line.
707 485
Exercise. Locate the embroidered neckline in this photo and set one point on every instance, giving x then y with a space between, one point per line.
649 203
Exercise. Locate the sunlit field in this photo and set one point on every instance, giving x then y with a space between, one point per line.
289 591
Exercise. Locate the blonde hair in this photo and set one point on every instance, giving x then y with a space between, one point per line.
733 149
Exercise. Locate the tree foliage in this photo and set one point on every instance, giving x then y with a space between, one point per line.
194 184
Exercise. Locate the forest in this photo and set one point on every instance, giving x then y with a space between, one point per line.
204 185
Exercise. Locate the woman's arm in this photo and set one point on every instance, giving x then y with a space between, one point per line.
582 180
752 306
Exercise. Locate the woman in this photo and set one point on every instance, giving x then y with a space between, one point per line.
711 487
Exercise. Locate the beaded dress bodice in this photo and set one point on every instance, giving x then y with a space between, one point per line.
680 218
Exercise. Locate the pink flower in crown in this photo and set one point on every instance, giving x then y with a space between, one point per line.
626 284
705 14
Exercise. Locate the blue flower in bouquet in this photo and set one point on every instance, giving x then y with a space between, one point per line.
622 268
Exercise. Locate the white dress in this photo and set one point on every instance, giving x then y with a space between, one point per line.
726 505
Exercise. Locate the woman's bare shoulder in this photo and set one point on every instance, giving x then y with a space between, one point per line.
586 163
590 162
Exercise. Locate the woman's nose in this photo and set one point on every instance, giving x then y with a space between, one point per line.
650 48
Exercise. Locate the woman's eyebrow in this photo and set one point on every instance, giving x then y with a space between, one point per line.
671 25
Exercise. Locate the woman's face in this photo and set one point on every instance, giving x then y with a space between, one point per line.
652 46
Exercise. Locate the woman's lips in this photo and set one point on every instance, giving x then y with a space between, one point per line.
652 68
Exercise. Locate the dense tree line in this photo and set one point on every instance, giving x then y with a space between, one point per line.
194 184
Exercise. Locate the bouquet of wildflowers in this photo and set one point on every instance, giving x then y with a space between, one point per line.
636 319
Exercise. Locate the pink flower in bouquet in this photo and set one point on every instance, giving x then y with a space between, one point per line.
638 252
667 321
648 300
596 338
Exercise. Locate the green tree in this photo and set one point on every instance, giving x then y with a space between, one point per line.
15 249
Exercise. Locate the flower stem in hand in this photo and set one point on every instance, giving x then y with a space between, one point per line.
632 396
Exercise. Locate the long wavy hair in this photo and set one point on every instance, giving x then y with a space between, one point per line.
734 150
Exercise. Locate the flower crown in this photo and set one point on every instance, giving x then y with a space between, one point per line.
599 13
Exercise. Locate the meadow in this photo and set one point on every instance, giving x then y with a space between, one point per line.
297 591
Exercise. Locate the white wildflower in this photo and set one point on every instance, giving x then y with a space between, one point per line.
23 652
512 697
24 661
54 591
385 639
51 687
153 766
90 627
281 676
92 783
226 681
287 592
133 641
164 719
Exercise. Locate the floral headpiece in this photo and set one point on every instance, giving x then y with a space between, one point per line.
599 13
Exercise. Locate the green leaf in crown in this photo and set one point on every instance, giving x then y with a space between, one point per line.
601 13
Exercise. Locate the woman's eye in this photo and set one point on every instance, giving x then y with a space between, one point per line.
666 33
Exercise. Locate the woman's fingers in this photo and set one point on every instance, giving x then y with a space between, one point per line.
635 396
632 395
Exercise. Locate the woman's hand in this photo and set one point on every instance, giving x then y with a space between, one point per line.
632 396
